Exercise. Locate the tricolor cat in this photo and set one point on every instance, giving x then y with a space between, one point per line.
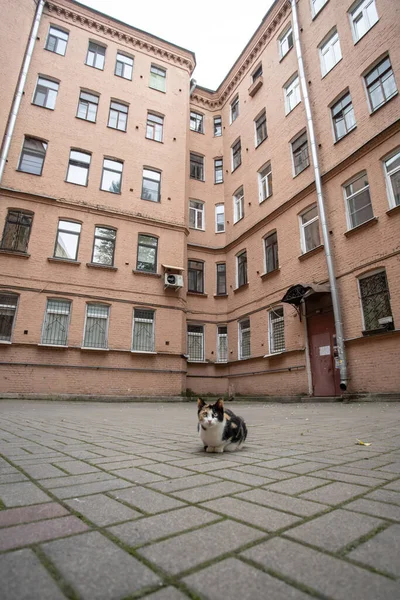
220 429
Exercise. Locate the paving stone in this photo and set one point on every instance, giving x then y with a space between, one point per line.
393 468
334 530
384 496
21 494
138 476
42 471
260 516
84 454
297 506
76 467
29 514
279 462
327 575
381 552
296 485
182 483
351 470
146 500
125 464
97 568
393 485
214 463
190 549
239 477
346 477
303 467
169 593
90 488
233 579
167 470
69 480
23 577
102 510
207 492
12 478
386 511
32 533
334 493
263 472
150 528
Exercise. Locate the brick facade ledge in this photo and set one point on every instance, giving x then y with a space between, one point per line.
311 252
199 294
100 266
270 273
136 272
6 342
220 295
368 223
393 210
63 260
373 336
241 288
15 253
52 346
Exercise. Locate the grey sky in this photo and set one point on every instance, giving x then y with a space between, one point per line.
216 31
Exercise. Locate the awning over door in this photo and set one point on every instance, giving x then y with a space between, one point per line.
296 293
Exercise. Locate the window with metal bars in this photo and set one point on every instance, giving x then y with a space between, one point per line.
196 167
17 230
300 156
32 156
195 342
124 66
241 261
96 56
8 308
222 343
104 246
143 330
221 279
196 276
271 252
244 339
375 301
56 322
57 40
96 326
276 330
87 106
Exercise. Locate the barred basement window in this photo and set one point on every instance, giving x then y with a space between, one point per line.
222 343
375 301
8 308
244 339
96 326
17 230
276 330
104 246
195 342
143 331
56 322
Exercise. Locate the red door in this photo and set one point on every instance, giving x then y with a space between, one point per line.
321 332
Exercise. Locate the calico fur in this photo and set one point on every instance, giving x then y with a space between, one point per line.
219 428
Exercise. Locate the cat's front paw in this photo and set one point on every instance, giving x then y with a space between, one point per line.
219 449
210 449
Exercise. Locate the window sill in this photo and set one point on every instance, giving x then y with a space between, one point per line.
393 210
201 294
345 135
153 140
40 106
74 183
238 221
5 342
196 229
108 192
311 252
255 86
94 349
157 90
86 120
197 362
241 288
273 354
260 143
269 274
364 225
94 67
220 295
264 200
380 331
100 266
331 69
15 253
218 182
28 173
154 201
315 15
137 272
282 57
61 346
195 131
64 260
197 179
365 33
143 352
116 129
292 109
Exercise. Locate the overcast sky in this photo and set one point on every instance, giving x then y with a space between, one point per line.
216 31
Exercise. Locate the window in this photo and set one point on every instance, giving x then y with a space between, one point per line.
124 66
67 242
292 94
158 77
87 106
343 116
217 126
238 205
46 93
309 228
32 156
218 170
17 230
196 214
380 84
316 6
154 127
96 326
257 73
196 276
57 40
285 42
78 167
143 330
375 302
219 218
330 53
276 330
300 156
151 185
95 56
112 176
241 268
56 322
271 252
118 117
104 246
196 167
260 125
358 201
236 155
196 122
147 253
221 279
265 183
392 174
234 109
362 18
195 342
222 343
244 339
8 308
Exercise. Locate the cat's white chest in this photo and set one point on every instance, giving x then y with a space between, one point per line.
213 435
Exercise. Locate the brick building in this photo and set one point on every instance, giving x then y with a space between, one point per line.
159 237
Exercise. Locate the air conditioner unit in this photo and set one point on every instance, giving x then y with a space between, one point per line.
173 280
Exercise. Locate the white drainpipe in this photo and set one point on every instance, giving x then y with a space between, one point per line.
321 208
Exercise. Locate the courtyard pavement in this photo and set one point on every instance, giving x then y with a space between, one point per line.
119 501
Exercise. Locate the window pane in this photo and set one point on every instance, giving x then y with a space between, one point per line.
8 306
55 326
375 300
311 236
96 326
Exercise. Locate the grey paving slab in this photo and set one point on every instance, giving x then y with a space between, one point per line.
12 478
29 514
239 477
264 472
327 575
214 463
146 500
379 509
22 494
97 568
42 471
296 485
297 506
302 468
348 478
85 489
70 480
167 470
168 593
124 463
23 577
381 552
32 533
190 549
75 467
207 492
334 493
101 509
393 485
137 475
384 496
182 483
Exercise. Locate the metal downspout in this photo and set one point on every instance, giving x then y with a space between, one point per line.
321 208
193 84
20 88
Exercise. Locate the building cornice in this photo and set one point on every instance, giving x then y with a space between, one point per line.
132 38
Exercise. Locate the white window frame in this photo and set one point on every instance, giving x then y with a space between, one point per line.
198 335
111 165
283 38
330 52
50 97
320 5
241 331
99 316
198 221
81 160
88 104
154 125
60 39
273 321
359 11
264 182
116 110
222 340
238 205
389 185
219 126
127 65
137 320
56 311
351 196
219 210
291 93
198 164
234 109
96 49
303 227
158 77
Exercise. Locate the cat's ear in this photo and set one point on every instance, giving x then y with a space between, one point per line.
219 405
200 403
